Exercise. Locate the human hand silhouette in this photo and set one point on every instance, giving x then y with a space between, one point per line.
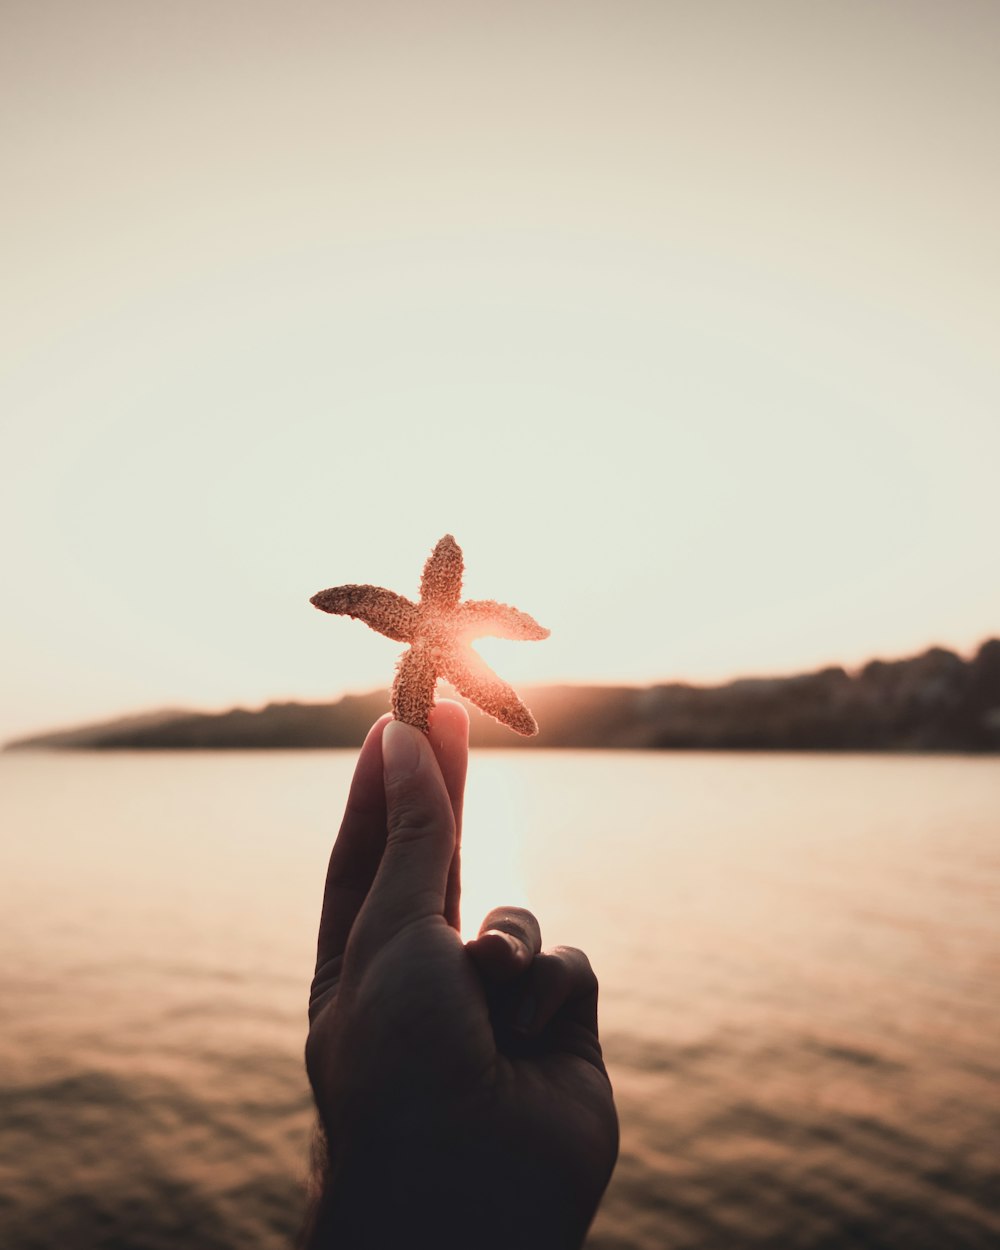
461 1090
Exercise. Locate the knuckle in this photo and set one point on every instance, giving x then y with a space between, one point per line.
577 963
519 915
507 915
517 921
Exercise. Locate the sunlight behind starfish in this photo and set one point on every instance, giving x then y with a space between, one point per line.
495 823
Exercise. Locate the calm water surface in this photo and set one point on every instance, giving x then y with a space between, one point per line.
799 958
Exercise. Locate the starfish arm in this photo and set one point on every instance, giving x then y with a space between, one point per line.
474 679
479 617
413 687
380 609
441 580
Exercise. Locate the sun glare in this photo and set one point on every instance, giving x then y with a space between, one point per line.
493 839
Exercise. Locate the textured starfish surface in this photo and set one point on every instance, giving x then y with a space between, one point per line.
439 628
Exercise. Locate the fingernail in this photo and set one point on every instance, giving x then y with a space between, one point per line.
512 943
525 1014
400 750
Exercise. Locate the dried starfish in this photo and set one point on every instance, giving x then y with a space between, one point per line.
439 629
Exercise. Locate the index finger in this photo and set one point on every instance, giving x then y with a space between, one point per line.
357 851
360 843
509 939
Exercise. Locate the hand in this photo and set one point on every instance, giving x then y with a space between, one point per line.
461 1089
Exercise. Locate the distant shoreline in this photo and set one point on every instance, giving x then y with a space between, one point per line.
936 701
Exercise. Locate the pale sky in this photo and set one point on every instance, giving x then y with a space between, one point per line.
682 317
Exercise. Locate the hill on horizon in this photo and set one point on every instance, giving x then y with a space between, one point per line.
935 701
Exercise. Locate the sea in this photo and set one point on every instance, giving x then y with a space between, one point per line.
799 958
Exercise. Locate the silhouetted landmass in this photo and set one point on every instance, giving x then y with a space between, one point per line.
86 737
936 701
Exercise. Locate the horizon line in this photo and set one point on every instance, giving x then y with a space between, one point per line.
274 701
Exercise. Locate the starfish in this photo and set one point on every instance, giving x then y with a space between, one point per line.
439 629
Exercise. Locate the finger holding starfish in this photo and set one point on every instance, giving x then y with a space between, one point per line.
439 628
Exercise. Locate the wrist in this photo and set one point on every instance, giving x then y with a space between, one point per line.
383 1199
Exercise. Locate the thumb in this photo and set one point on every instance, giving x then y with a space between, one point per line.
412 877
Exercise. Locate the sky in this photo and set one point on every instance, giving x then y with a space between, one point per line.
683 318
